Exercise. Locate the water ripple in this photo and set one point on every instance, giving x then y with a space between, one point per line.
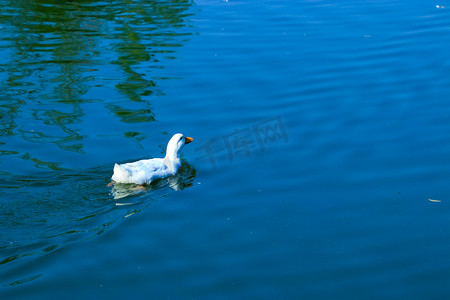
42 213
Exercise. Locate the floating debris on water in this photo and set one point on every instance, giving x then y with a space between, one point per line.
434 200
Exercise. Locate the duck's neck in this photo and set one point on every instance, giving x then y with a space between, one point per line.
172 161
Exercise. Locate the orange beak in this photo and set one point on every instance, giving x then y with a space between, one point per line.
187 140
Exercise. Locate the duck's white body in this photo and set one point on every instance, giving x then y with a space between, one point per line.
147 170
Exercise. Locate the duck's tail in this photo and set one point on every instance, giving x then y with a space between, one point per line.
120 174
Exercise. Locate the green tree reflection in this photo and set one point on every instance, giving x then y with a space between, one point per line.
55 52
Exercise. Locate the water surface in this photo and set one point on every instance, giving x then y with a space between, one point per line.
320 130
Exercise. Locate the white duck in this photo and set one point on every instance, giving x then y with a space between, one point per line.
147 170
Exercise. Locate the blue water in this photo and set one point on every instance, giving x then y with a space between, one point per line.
319 167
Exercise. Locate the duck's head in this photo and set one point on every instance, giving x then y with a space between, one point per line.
176 143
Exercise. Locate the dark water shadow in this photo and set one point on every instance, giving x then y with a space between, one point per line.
45 212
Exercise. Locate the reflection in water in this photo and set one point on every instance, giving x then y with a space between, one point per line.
45 212
59 57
